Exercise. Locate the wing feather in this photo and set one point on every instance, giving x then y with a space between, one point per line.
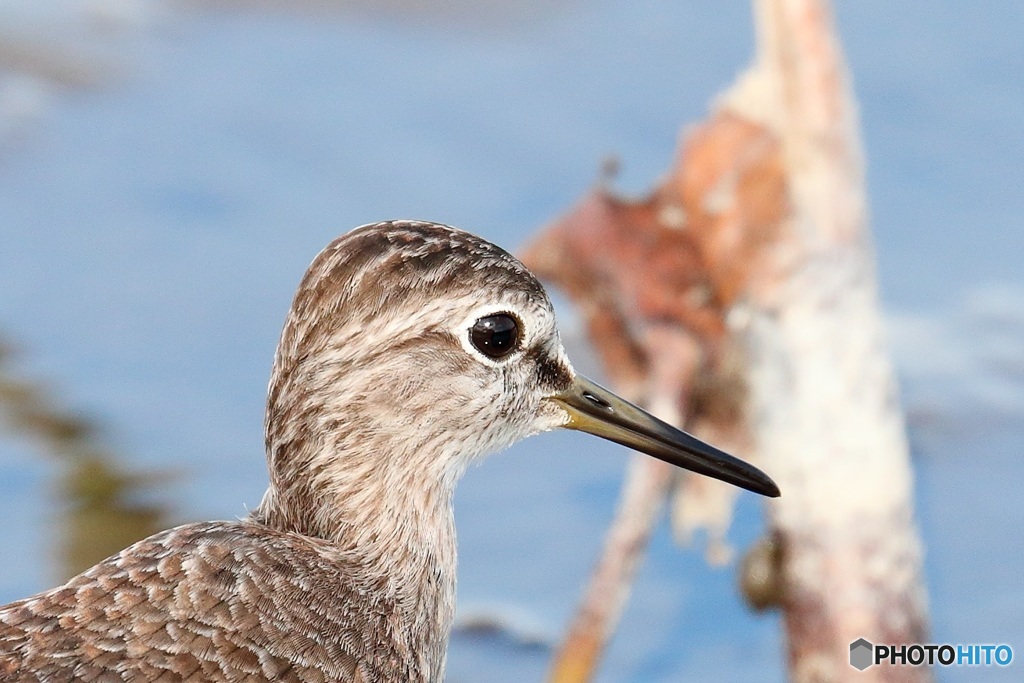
221 601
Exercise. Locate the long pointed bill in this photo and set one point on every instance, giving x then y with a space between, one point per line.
598 411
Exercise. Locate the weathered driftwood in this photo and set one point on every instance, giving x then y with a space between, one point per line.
827 414
758 240
659 282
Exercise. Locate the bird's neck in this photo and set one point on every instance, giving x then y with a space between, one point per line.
365 465
383 521
392 522
392 537
395 522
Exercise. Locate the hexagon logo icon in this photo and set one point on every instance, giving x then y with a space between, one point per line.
861 654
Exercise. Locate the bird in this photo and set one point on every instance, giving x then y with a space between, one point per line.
411 350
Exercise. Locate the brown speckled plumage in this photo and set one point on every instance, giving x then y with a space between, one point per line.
215 601
379 398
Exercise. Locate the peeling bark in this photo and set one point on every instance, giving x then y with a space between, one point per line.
658 282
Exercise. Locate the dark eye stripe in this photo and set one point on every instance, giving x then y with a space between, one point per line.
495 336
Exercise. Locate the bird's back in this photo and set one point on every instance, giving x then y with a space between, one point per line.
219 601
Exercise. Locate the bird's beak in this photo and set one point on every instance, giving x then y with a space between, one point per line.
596 410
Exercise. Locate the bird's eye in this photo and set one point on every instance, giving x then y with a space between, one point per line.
495 336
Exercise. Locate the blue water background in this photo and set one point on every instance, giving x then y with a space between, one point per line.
152 231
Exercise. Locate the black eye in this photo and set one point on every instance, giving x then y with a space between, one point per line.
495 336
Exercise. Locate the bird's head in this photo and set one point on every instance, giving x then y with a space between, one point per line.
412 348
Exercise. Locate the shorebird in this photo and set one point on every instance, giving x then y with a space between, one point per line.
410 350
